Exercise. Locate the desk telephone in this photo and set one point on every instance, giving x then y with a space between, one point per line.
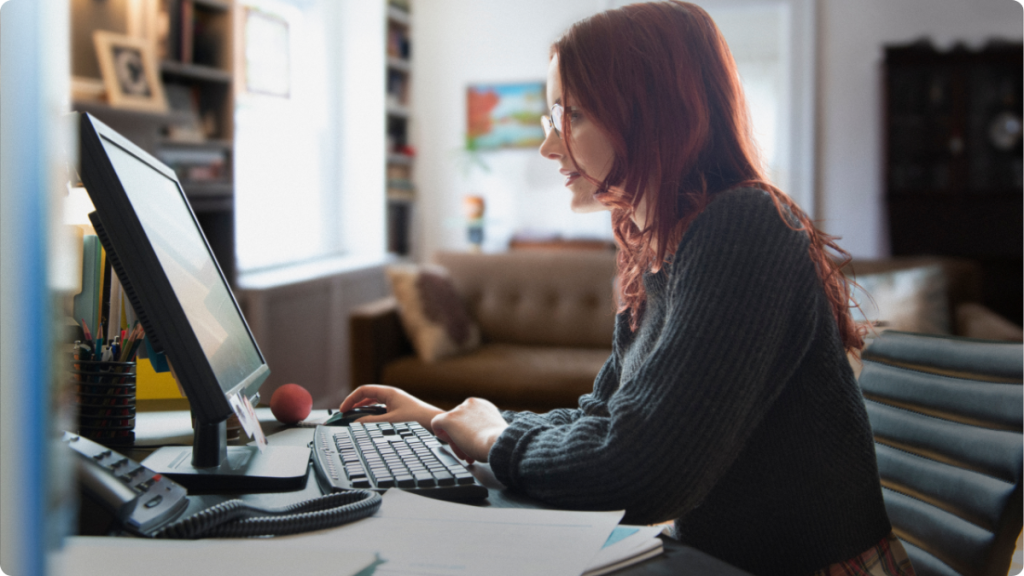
150 505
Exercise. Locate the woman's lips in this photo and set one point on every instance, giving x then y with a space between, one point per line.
570 176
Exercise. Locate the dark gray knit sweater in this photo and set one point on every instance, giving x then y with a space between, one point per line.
732 409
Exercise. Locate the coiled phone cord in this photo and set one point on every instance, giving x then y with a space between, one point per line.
237 519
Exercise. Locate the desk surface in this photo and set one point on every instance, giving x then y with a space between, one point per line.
154 429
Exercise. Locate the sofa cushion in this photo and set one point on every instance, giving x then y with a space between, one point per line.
962 277
511 376
909 300
432 312
539 298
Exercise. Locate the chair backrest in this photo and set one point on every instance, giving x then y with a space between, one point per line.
946 414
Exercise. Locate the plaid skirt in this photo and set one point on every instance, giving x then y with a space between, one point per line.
887 558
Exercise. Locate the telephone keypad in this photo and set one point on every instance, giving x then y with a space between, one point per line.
157 500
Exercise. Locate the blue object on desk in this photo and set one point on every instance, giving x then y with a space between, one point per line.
158 360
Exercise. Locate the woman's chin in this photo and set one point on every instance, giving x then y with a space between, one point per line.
586 203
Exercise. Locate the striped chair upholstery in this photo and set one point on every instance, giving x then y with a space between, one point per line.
946 414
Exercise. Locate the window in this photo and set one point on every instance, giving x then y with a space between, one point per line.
303 190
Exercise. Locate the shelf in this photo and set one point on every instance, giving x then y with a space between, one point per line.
397 110
398 16
403 159
207 205
207 144
401 196
208 190
103 110
221 5
399 64
966 195
195 72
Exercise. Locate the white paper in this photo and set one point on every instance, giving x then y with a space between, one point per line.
106 556
422 536
247 418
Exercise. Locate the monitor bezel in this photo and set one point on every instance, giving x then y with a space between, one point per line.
143 277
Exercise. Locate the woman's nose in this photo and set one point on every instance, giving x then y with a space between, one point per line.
551 147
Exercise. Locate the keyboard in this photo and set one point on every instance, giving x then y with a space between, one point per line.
382 455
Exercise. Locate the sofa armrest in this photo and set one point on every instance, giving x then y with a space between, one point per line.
976 321
376 337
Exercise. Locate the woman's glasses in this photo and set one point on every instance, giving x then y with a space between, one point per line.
553 122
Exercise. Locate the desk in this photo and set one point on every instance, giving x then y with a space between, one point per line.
155 429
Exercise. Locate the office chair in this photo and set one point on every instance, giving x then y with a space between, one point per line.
946 414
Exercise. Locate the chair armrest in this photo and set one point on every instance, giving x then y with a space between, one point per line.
376 337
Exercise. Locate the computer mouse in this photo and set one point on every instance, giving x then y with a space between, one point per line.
346 418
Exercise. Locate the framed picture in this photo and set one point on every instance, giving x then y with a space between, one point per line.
505 115
267 59
130 72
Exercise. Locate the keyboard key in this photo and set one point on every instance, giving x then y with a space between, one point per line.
405 481
464 478
423 479
361 483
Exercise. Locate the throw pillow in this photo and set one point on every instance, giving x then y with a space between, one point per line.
910 300
432 312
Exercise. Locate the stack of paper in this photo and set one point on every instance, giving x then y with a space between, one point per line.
418 535
409 535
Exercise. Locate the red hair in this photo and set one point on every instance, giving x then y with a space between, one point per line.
660 83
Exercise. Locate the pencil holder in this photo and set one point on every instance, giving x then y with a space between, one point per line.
105 393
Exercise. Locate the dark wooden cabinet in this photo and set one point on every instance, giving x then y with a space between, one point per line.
953 170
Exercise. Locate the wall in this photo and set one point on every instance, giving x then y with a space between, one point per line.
458 42
851 37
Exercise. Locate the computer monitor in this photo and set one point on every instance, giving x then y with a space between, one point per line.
176 287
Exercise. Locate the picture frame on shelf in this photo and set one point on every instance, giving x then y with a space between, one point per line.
130 72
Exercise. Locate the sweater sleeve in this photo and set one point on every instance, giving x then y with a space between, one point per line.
740 316
605 383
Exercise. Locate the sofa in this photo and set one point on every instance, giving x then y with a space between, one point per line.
546 320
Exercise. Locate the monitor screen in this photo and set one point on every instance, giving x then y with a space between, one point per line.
193 273
173 281
168 271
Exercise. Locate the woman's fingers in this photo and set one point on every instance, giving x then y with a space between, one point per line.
365 395
441 434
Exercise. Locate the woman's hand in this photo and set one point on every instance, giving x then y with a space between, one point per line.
470 429
402 406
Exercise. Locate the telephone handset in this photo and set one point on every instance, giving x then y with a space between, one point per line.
152 505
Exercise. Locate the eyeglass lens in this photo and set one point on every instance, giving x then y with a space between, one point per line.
554 122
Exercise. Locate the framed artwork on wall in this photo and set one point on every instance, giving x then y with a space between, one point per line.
267 54
130 72
501 116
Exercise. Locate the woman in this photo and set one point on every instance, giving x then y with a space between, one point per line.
728 403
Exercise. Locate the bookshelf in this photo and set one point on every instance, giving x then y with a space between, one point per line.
194 45
953 170
401 192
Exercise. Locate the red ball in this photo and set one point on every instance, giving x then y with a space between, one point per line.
291 403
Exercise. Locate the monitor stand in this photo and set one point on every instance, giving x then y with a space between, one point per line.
211 466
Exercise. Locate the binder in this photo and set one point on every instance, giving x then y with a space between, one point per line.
87 303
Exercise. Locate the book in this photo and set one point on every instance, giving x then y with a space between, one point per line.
86 304
626 545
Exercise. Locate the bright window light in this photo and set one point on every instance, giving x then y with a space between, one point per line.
286 135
